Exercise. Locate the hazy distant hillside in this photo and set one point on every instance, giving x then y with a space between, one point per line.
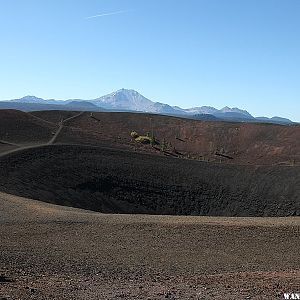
131 100
274 120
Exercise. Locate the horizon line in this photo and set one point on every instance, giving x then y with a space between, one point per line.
74 99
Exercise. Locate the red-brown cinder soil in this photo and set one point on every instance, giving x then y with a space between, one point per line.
53 252
245 143
125 176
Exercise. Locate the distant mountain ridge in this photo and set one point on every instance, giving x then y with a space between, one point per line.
131 100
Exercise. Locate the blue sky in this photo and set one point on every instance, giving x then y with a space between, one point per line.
186 52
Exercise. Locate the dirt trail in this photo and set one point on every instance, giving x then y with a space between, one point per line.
56 133
52 141
21 149
61 125
40 119
9 143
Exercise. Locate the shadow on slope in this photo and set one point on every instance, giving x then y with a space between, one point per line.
114 181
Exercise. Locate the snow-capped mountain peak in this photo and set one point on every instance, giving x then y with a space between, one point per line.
227 109
131 100
125 99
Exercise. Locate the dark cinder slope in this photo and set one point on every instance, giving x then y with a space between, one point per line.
54 116
20 127
113 181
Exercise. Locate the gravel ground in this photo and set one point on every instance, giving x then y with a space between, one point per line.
54 252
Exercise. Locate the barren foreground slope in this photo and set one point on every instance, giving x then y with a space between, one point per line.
52 252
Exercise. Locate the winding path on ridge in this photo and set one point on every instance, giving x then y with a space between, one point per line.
61 125
9 143
51 142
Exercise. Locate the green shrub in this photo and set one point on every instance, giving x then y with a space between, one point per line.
134 134
143 139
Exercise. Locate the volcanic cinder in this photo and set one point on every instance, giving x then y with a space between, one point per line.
209 211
